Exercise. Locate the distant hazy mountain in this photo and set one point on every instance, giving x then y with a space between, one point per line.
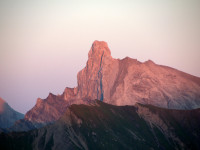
103 126
8 116
121 82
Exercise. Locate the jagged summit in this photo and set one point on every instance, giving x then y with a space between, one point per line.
149 62
39 101
51 95
90 79
98 50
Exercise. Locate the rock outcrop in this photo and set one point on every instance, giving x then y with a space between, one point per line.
51 108
8 116
121 82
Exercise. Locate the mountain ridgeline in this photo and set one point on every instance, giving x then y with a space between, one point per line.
121 82
103 126
117 104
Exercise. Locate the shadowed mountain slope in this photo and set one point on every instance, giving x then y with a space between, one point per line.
103 126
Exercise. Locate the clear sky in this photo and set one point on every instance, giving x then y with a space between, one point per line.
44 43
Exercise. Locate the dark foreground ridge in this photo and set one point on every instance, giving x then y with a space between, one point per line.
103 126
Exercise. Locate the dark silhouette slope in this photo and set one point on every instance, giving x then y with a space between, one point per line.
103 126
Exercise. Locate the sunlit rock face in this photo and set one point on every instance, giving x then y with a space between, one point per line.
97 78
47 110
127 81
53 107
150 83
121 82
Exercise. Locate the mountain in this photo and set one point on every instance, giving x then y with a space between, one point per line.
47 111
54 106
104 126
128 81
8 116
121 82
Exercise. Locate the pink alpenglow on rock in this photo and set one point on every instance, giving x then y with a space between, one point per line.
122 82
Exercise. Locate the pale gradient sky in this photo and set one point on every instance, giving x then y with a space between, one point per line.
43 44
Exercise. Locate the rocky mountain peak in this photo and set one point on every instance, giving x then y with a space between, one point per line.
90 78
122 82
69 93
51 95
149 62
39 101
98 50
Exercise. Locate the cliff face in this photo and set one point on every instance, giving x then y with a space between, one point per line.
121 82
127 81
97 78
8 116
